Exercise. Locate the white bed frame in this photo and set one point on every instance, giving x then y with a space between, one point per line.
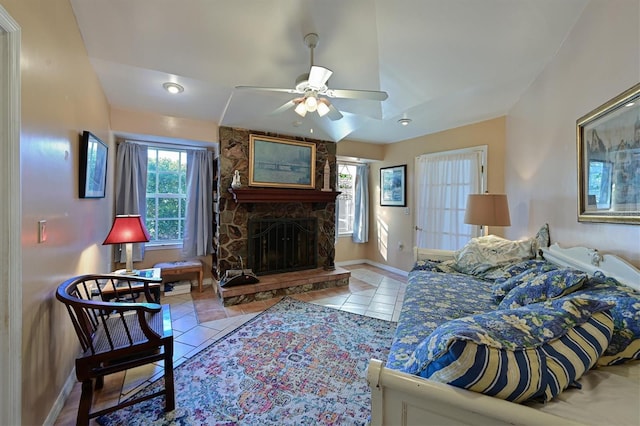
401 399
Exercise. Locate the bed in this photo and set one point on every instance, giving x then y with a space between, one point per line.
609 394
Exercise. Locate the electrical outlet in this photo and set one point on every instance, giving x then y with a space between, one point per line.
407 211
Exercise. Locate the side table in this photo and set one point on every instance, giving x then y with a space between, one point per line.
109 291
182 267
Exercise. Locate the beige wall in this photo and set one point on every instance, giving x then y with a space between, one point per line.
391 226
160 127
599 59
360 150
61 97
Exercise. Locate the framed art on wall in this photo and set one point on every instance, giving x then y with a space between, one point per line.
93 166
282 163
608 148
393 186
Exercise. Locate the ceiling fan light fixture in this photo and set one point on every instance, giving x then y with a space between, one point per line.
173 88
323 108
311 103
301 109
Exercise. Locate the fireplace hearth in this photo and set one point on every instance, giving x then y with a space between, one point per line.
282 245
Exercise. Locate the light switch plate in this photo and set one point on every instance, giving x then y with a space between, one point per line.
42 231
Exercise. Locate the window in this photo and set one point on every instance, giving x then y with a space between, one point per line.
166 195
346 208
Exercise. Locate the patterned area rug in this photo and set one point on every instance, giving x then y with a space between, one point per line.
296 363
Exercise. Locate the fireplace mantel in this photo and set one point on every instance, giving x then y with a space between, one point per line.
279 195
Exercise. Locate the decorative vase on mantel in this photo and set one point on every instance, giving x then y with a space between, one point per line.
236 183
326 177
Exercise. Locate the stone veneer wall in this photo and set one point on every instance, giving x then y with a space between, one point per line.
232 218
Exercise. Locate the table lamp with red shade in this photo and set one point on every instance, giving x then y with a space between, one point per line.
127 229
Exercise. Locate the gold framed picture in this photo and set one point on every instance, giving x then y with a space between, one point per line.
608 140
282 163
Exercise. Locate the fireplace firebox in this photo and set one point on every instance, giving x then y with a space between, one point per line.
282 245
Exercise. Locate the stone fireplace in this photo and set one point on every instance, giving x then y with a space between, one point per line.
236 210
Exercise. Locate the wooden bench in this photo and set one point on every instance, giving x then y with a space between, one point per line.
182 267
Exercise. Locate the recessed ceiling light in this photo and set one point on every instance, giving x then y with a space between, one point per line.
173 88
404 121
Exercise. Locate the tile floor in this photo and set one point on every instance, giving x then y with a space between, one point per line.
199 319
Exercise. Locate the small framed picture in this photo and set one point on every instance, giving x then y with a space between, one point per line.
93 166
393 186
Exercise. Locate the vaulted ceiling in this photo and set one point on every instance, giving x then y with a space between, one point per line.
444 63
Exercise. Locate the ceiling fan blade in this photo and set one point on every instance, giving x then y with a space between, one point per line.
267 89
318 77
285 107
357 94
333 113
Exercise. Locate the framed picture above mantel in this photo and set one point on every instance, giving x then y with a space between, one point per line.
281 163
608 148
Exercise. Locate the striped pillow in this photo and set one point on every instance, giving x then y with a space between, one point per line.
533 352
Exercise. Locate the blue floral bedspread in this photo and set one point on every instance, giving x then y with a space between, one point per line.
433 298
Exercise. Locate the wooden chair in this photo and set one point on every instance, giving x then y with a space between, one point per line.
116 335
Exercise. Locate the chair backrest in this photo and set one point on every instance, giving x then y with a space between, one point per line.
104 326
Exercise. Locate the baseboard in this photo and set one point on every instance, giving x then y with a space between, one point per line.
372 263
351 262
56 409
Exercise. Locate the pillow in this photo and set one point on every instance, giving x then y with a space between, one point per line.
534 286
625 343
506 281
426 265
482 254
434 266
533 352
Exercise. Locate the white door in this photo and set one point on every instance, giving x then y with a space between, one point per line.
443 181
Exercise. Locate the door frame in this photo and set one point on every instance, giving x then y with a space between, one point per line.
10 223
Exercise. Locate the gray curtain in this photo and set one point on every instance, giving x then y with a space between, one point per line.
198 227
361 205
336 221
131 189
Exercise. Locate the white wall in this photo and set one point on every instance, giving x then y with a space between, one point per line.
599 60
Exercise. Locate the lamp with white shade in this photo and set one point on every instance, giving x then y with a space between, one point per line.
487 210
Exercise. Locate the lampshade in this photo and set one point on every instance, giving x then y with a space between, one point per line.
487 210
323 108
127 229
311 103
301 109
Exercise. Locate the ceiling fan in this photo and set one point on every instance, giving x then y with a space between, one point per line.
314 92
